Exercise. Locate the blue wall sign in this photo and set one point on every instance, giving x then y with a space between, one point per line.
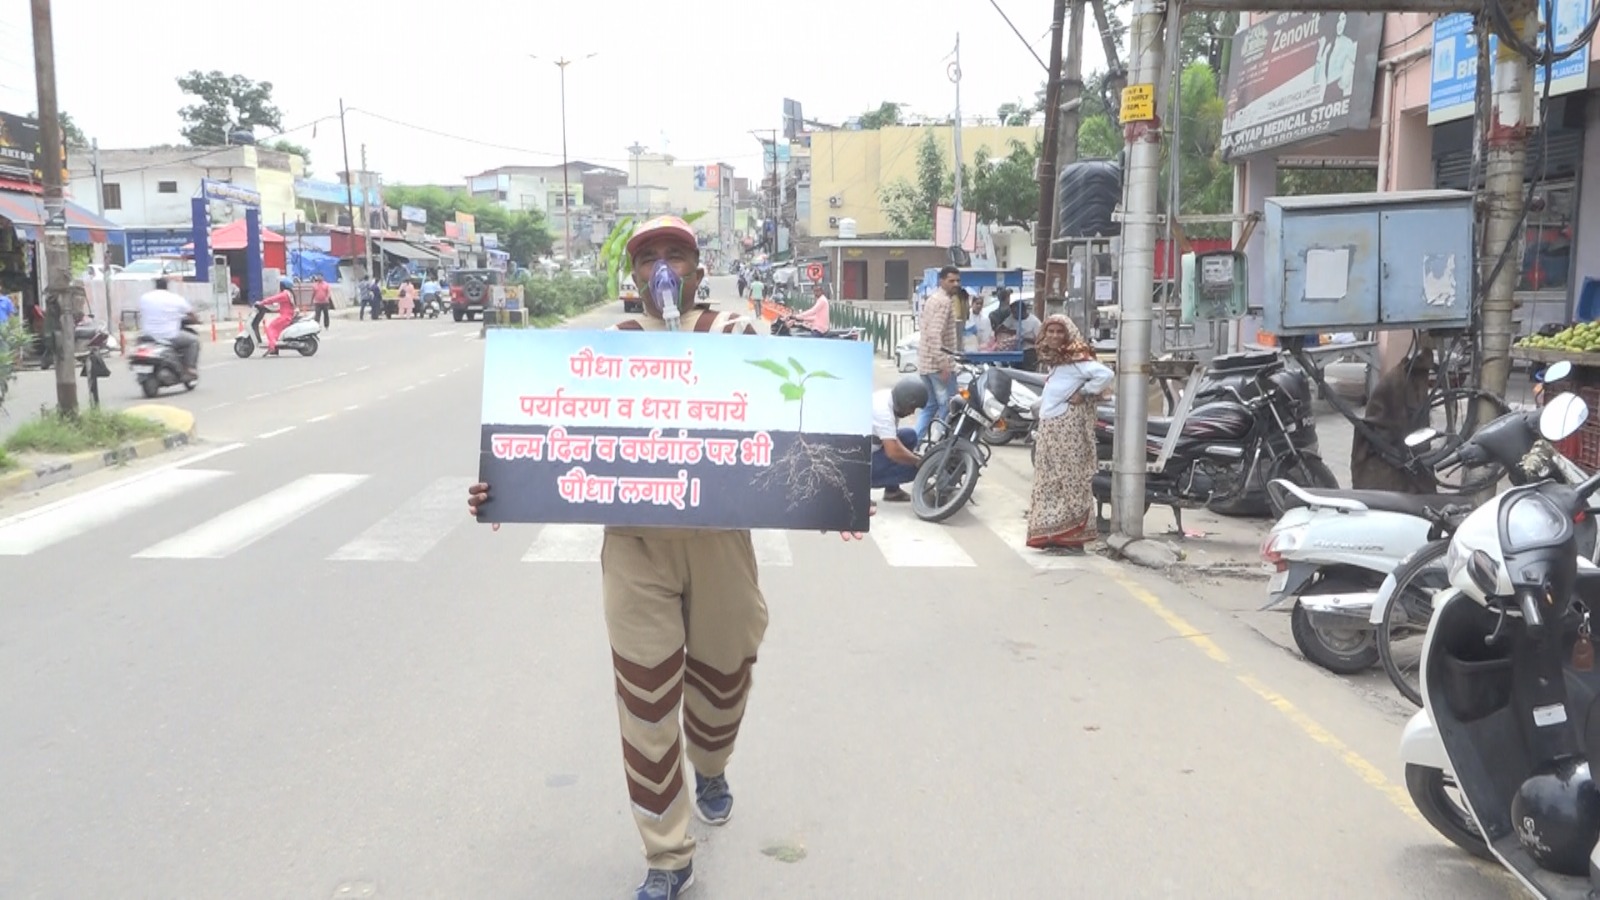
141 244
1454 79
229 193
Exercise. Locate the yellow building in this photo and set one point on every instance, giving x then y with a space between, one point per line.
850 168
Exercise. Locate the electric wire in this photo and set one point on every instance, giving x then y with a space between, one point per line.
1014 30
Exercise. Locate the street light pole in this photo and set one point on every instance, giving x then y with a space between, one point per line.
566 187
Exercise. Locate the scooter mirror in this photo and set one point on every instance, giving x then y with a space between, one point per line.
1556 372
1562 417
1420 437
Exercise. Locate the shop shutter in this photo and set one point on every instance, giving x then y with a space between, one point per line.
1560 153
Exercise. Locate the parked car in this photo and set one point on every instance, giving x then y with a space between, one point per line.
629 293
153 267
472 290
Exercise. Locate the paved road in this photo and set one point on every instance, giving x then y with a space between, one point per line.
287 665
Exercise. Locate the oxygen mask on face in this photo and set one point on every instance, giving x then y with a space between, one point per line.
665 288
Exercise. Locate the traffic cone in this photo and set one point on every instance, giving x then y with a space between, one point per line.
213 331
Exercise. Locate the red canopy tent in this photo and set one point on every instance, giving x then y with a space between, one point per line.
274 249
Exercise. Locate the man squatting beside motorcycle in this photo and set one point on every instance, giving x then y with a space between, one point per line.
685 617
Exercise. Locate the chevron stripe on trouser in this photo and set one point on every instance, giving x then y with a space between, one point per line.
685 616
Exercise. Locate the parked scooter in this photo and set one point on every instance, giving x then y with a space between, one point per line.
1510 687
300 336
1335 550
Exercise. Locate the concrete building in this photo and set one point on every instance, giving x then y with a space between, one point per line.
1419 135
148 191
847 170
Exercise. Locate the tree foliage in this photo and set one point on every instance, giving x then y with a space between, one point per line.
525 234
226 103
71 134
885 115
996 188
297 149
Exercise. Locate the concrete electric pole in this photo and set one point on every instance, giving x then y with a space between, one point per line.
60 298
955 78
1139 218
1044 232
1506 145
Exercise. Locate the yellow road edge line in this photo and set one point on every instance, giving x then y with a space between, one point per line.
1352 760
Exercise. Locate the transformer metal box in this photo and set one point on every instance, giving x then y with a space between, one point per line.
1368 262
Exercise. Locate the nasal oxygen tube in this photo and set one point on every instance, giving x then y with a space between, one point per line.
665 288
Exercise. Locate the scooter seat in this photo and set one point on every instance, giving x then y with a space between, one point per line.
1423 506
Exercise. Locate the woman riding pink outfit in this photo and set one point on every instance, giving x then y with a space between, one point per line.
283 303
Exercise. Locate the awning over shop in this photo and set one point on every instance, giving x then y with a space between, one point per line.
408 251
26 213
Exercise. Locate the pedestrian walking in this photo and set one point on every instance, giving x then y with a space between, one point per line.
936 348
321 300
408 299
685 617
1061 514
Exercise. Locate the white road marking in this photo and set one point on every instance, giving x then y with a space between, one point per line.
322 418
272 434
363 368
36 529
243 525
444 333
311 382
219 406
772 548
409 387
566 544
908 542
1001 511
416 527
257 396
340 374
352 407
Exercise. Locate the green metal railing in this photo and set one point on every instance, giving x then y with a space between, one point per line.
884 329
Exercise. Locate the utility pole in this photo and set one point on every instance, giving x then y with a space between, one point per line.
1510 123
1071 95
1143 137
59 296
1044 231
955 76
566 188
350 186
366 215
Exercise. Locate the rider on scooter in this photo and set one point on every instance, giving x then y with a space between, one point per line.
815 319
283 302
162 315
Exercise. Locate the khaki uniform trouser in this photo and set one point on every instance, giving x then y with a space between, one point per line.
685 616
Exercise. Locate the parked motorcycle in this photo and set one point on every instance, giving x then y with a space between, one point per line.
92 340
956 452
1012 402
1234 436
1337 552
300 336
158 364
1509 685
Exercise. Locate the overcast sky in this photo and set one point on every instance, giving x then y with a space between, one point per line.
733 64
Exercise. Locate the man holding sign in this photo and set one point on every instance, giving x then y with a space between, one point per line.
684 611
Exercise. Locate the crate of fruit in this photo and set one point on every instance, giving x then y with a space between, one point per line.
1577 344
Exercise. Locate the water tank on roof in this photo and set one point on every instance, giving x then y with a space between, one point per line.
847 228
1087 193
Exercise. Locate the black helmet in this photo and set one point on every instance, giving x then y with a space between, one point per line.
908 395
1556 814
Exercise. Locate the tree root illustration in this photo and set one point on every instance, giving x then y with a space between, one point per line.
806 470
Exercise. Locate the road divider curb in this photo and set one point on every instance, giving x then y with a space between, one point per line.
180 426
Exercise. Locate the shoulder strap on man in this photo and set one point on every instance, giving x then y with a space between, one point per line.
700 320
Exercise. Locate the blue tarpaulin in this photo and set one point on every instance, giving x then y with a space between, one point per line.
306 263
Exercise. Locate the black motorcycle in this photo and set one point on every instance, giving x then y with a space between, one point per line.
957 450
1235 438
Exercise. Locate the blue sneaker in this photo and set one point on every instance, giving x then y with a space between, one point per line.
665 884
713 802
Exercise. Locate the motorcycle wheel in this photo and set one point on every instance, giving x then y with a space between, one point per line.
1345 652
243 347
998 436
1415 582
956 463
308 347
1427 787
150 386
1307 471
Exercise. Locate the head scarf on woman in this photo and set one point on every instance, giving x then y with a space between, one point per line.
1060 342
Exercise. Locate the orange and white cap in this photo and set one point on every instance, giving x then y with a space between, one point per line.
663 227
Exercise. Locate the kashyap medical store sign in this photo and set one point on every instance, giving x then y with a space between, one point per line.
1453 83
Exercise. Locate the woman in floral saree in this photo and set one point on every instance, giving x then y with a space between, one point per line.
1061 515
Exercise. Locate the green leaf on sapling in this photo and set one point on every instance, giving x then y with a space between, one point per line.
795 364
792 391
773 367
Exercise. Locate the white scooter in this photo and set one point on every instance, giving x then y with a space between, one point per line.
300 336
1510 688
1336 551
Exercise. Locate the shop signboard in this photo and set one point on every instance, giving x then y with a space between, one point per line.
229 193
1294 77
19 150
414 214
1453 83
145 243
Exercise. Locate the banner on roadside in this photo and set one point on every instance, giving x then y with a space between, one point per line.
676 429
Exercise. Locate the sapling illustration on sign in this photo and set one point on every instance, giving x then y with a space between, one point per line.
807 466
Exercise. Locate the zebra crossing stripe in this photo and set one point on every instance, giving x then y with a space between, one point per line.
772 548
243 525
566 544
905 541
1001 511
408 533
35 530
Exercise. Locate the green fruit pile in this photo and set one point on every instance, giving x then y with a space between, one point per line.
1584 338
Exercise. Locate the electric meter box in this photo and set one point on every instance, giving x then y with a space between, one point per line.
1368 262
1215 285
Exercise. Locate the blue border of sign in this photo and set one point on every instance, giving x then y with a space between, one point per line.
1453 80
